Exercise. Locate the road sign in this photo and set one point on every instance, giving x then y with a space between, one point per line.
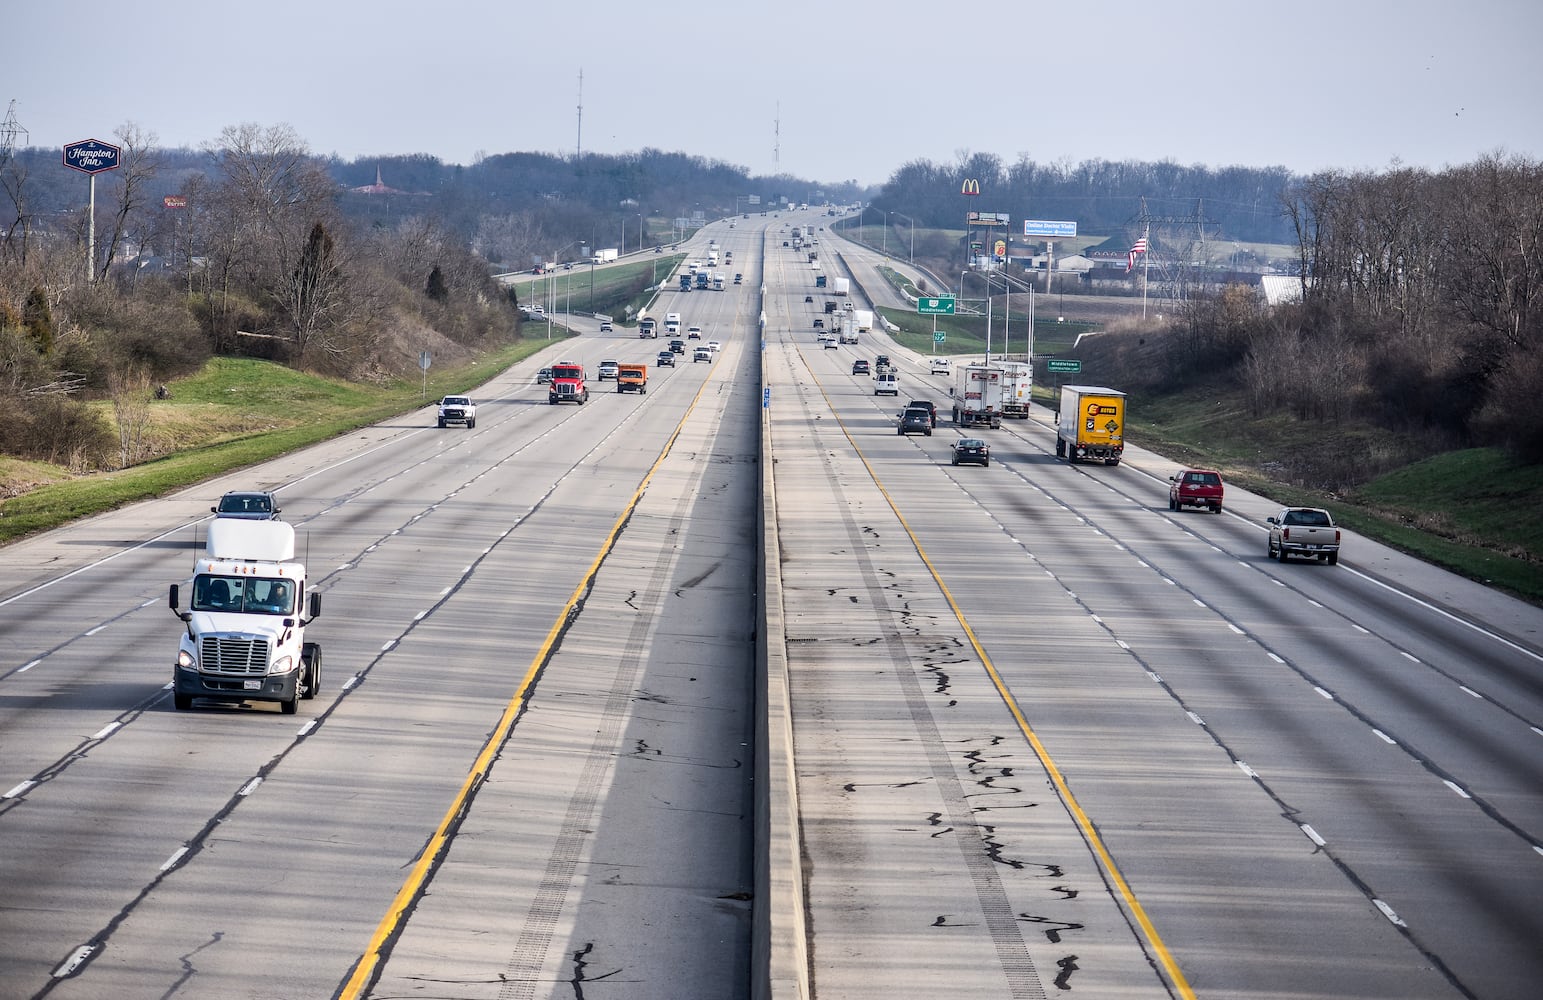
936 307
91 156
939 337
1068 367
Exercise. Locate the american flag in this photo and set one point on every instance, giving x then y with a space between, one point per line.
1140 246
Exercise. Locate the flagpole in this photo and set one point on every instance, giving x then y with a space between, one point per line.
1146 262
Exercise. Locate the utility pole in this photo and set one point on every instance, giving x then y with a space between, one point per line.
578 143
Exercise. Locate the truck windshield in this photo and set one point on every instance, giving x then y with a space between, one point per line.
561 371
249 594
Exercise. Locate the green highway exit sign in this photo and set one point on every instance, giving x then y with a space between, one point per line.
936 307
1057 365
939 337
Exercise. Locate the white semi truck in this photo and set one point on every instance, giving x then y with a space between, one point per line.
244 634
605 256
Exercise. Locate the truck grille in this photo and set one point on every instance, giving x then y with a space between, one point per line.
234 654
564 388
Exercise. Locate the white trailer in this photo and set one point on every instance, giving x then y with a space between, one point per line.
1017 389
977 393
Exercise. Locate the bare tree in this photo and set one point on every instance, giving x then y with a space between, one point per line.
137 168
314 293
130 391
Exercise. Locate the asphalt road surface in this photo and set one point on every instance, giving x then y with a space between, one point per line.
1051 737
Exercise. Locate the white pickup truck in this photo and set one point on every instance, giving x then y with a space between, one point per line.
457 410
1303 531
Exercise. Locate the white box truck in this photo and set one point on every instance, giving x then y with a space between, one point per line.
843 286
977 393
1017 389
605 256
864 319
244 630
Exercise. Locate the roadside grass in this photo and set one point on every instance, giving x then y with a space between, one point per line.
620 291
233 413
967 334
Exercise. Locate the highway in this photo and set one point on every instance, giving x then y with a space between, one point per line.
1048 736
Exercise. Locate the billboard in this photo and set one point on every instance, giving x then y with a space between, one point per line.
973 219
1054 230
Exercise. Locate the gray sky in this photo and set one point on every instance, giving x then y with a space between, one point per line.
858 88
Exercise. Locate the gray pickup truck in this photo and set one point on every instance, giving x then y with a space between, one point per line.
1303 531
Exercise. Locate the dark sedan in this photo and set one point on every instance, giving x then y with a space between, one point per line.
971 450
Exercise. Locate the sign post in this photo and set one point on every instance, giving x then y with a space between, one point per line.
91 157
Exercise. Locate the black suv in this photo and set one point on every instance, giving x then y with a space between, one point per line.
677 347
914 418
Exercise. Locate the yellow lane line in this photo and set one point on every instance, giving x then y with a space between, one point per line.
1089 832
390 924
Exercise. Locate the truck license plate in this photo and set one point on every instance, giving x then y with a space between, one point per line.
252 685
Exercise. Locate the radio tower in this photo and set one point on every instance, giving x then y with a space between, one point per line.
578 144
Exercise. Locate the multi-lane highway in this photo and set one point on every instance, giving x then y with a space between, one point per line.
1048 736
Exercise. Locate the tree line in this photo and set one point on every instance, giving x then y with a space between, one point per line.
1427 279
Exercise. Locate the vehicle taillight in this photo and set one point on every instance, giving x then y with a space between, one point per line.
1285 534
1336 536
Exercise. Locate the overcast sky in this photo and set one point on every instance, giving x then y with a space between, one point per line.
826 91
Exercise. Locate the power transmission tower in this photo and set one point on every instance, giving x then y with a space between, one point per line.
9 131
1179 251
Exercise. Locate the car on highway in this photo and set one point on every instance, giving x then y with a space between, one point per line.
677 347
971 451
925 404
938 366
808 298
247 505
884 385
1196 488
701 354
819 324
605 326
860 367
544 376
1303 531
827 339
914 420
666 359
714 346
694 333
608 370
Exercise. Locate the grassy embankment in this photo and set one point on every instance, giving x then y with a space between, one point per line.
234 413
237 412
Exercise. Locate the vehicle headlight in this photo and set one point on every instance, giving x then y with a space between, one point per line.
186 660
282 665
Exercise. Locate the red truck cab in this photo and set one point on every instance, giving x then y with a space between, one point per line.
567 385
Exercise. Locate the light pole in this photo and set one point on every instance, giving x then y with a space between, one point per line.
884 249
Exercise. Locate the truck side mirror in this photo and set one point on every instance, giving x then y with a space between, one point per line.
171 599
315 605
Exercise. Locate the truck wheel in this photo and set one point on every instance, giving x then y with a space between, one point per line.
1280 554
441 425
182 702
310 655
618 387
1333 559
291 705
1060 448
470 424
1217 509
